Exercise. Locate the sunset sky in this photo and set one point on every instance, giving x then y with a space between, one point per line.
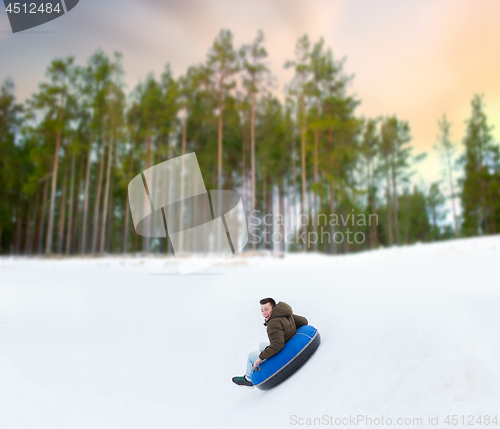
415 59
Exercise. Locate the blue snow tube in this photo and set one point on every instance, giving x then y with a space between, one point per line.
279 367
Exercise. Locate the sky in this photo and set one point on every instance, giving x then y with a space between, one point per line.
416 59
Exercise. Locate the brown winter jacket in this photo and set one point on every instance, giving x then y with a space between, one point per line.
281 327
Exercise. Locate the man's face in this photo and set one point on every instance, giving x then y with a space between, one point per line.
266 310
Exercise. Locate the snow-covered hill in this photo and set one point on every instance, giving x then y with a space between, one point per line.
128 343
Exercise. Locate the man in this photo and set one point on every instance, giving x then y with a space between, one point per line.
281 325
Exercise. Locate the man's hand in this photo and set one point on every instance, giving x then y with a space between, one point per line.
257 363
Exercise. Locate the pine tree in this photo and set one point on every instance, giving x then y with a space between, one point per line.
480 162
398 160
55 99
116 109
222 63
252 57
369 147
435 202
299 90
446 149
10 120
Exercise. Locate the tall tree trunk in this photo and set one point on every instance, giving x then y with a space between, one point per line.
388 202
2 125
369 200
83 240
184 133
253 190
247 202
27 231
316 147
332 211
491 211
219 147
97 202
148 151
71 204
452 189
294 184
281 211
158 151
434 223
316 177
483 194
270 209
19 224
48 248
125 227
106 190
135 242
109 238
42 219
264 203
33 229
484 208
146 240
426 231
252 149
127 211
181 214
286 211
347 247
62 216
219 134
395 204
303 155
332 190
78 223
374 209
407 217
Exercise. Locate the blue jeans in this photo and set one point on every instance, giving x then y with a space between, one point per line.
252 357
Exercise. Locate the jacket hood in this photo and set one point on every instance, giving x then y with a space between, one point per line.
282 309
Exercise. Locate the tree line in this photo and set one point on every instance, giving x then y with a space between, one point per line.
68 153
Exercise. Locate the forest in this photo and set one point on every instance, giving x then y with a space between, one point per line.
68 153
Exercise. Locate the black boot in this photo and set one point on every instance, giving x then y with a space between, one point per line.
242 381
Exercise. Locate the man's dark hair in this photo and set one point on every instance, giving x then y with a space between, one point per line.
268 301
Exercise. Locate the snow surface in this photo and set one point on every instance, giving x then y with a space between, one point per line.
126 342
